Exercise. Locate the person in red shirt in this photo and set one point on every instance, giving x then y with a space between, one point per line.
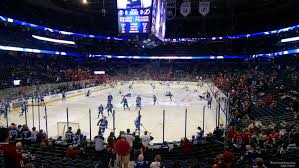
122 149
8 153
246 137
231 133
72 152
186 147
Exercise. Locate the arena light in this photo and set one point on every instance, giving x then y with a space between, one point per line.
237 36
99 72
211 57
16 82
53 40
34 26
292 39
84 1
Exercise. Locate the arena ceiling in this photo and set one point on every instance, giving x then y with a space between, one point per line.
225 17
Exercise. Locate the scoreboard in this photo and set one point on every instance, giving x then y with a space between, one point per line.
134 20
142 17
134 16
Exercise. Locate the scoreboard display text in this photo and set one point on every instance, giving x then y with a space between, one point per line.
134 20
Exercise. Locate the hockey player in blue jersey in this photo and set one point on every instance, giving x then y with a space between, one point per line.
110 98
125 103
23 109
103 124
154 99
109 108
137 124
2 111
138 102
100 110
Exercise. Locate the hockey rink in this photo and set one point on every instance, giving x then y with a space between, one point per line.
152 115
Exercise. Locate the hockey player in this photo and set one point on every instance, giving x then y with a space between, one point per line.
154 99
138 102
138 98
100 110
109 108
137 124
138 105
168 93
125 103
42 100
63 96
110 98
88 93
103 124
210 101
2 110
69 135
23 109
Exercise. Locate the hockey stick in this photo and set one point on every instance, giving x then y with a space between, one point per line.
145 129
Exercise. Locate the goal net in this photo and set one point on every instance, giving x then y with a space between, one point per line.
62 127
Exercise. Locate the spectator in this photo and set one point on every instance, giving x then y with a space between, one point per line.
26 135
137 146
41 136
59 141
249 156
34 133
111 141
83 142
78 137
72 152
193 140
122 148
8 154
25 158
186 147
259 163
69 135
157 162
219 161
140 163
99 143
129 137
146 139
228 158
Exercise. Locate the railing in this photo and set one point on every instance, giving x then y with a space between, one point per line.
222 108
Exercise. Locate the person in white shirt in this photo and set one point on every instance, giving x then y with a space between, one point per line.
99 143
129 137
34 135
146 139
157 162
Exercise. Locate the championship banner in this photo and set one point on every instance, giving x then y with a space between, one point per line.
185 9
171 9
204 7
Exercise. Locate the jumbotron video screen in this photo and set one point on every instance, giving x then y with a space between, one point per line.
142 17
134 16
